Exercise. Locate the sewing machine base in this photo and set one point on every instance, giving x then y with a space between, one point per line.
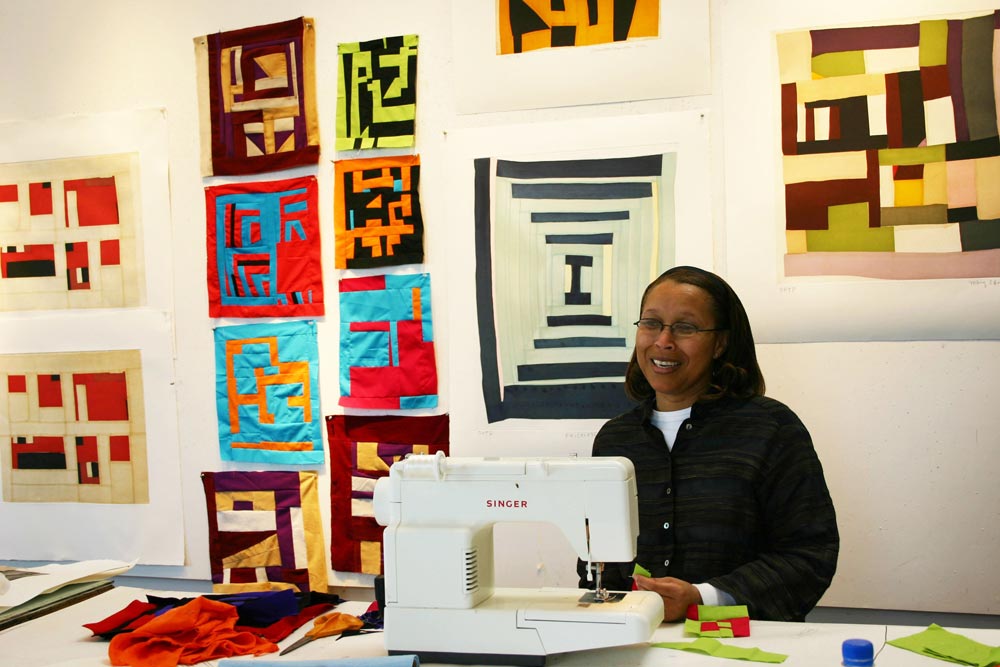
520 627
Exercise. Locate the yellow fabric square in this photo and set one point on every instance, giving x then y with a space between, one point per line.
936 183
795 239
368 457
910 192
371 557
794 56
988 188
260 500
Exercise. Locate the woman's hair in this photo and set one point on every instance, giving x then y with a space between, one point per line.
736 372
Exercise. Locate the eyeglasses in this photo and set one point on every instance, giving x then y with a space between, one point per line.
677 329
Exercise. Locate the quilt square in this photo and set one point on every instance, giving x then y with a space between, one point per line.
265 531
891 151
72 428
387 342
70 234
528 25
377 212
264 249
267 393
377 93
564 249
257 96
362 449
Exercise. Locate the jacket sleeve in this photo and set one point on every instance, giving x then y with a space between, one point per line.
800 538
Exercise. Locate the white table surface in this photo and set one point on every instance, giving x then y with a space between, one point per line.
59 639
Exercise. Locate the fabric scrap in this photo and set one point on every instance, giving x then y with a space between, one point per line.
717 649
718 621
200 630
936 642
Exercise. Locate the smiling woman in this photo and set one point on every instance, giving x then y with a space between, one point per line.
733 505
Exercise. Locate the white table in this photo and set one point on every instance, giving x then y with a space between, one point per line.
60 640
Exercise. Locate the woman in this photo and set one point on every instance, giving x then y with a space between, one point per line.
733 506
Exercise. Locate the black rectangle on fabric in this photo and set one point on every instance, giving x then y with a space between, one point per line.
582 239
31 268
645 165
592 400
980 234
577 320
578 341
571 371
970 150
578 216
615 190
41 461
963 214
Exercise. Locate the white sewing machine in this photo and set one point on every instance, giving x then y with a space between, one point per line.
440 599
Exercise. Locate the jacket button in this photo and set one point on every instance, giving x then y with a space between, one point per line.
687 427
666 563
669 490
666 526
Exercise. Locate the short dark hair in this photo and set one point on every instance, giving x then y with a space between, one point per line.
736 372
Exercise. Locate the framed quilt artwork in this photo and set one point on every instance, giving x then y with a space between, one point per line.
387 342
362 448
564 249
891 153
526 25
69 234
264 531
377 93
257 98
267 393
376 212
264 249
72 428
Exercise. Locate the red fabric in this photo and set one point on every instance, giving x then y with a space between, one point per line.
200 630
135 609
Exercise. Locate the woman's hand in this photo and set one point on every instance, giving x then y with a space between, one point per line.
677 594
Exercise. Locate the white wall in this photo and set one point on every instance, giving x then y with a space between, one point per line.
909 432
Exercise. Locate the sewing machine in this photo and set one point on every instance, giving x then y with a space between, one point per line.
440 598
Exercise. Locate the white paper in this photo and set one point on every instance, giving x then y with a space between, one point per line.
48 578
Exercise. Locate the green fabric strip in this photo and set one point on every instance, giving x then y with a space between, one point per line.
717 649
936 642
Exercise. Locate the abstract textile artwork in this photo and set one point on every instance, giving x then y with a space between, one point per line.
257 98
377 212
377 93
527 25
891 151
267 393
387 342
69 234
72 428
264 531
361 451
563 252
264 249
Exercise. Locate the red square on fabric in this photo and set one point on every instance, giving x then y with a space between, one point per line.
40 198
120 448
49 391
110 253
8 193
17 384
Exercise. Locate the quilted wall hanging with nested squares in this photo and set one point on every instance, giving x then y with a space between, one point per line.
527 25
564 249
387 342
377 93
267 393
257 98
72 428
69 234
890 149
264 249
376 212
264 531
362 448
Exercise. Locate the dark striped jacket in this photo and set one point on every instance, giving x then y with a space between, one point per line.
740 503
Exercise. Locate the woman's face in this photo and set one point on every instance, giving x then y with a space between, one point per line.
678 369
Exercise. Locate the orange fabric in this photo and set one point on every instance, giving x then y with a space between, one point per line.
200 630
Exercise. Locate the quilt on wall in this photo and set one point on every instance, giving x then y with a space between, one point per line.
69 233
891 150
72 428
264 531
564 249
387 342
377 93
362 449
267 393
257 97
376 212
528 25
264 249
